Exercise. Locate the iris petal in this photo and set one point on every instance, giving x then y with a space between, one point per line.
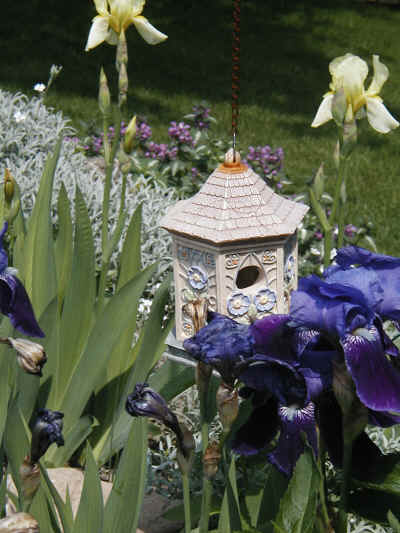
381 74
98 32
294 422
3 253
149 33
258 430
382 419
324 113
385 267
379 117
276 376
377 381
330 307
270 338
15 303
222 344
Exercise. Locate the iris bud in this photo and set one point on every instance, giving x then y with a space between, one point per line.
47 429
30 479
186 449
130 136
197 310
31 356
104 94
123 84
227 405
211 459
9 186
19 523
145 401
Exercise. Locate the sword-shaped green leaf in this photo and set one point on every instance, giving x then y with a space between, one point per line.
39 270
78 310
229 518
91 509
298 506
112 321
64 244
150 347
125 501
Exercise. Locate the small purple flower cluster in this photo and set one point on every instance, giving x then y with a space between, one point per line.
162 151
180 132
94 145
266 160
201 117
350 230
143 130
74 139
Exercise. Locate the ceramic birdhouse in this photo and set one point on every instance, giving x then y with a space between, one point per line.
235 245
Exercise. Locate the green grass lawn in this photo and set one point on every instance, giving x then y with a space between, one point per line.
286 48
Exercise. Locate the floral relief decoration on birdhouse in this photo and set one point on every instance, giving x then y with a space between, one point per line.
196 270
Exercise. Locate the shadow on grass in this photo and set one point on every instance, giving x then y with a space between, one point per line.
280 62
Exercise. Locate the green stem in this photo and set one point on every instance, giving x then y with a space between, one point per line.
105 244
341 224
327 247
107 183
342 517
106 142
336 196
186 502
205 506
324 518
207 485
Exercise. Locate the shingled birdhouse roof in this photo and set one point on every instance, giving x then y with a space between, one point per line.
234 204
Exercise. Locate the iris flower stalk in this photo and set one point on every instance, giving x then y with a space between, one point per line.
197 310
113 18
46 431
144 401
346 102
349 306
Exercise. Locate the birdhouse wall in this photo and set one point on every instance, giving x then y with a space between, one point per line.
251 279
243 280
194 277
290 273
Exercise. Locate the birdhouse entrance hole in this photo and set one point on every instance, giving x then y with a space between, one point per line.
247 276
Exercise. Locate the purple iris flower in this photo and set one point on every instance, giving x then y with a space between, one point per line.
224 344
14 301
47 429
347 306
267 357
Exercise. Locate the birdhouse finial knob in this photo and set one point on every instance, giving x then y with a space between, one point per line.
229 160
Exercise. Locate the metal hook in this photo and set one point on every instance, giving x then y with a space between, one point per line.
234 146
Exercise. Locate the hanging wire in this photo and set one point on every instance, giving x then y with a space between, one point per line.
235 73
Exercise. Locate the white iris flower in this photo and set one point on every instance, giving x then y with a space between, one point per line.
349 73
117 15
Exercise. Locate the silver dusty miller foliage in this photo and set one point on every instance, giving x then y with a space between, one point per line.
28 134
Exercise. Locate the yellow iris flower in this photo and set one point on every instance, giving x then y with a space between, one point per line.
349 73
117 15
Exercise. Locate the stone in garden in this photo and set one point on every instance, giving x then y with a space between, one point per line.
154 505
